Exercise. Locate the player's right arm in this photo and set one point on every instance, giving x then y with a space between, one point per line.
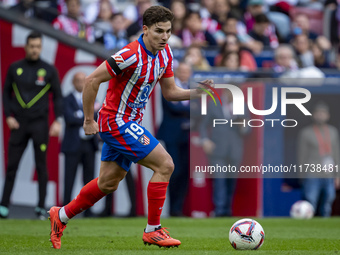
92 83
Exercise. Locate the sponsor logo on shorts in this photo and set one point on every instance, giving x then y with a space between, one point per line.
144 140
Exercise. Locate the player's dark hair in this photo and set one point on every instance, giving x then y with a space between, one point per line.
156 14
33 35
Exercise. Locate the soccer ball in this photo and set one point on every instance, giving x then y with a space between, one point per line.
302 210
246 234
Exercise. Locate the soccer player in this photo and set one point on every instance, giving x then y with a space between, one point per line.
133 71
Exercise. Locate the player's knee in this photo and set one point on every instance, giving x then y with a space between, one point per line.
107 189
108 186
168 166
110 189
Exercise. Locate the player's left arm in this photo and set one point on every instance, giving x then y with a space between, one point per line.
172 92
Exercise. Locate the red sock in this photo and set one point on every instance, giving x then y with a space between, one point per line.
156 197
87 197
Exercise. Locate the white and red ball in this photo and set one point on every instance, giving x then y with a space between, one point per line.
246 234
302 210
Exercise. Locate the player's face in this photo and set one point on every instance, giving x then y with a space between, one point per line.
33 49
156 36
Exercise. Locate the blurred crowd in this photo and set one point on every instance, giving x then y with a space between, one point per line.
302 34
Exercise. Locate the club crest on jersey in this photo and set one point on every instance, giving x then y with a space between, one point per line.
144 140
118 58
41 73
161 72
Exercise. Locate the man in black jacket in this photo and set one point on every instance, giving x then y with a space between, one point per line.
26 106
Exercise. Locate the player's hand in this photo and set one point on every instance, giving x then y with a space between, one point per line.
12 123
91 127
205 85
208 146
202 86
55 129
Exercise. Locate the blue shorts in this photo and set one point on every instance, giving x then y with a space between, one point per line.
130 144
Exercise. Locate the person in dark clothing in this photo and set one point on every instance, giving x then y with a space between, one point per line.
193 32
117 38
258 32
174 131
301 25
224 146
77 147
26 107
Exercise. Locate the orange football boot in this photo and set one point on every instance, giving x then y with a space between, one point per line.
57 227
161 238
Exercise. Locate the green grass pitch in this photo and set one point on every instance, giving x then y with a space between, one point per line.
198 236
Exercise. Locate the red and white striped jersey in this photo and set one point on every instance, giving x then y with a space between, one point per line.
135 71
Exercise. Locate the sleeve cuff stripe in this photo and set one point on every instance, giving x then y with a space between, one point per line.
109 69
112 63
